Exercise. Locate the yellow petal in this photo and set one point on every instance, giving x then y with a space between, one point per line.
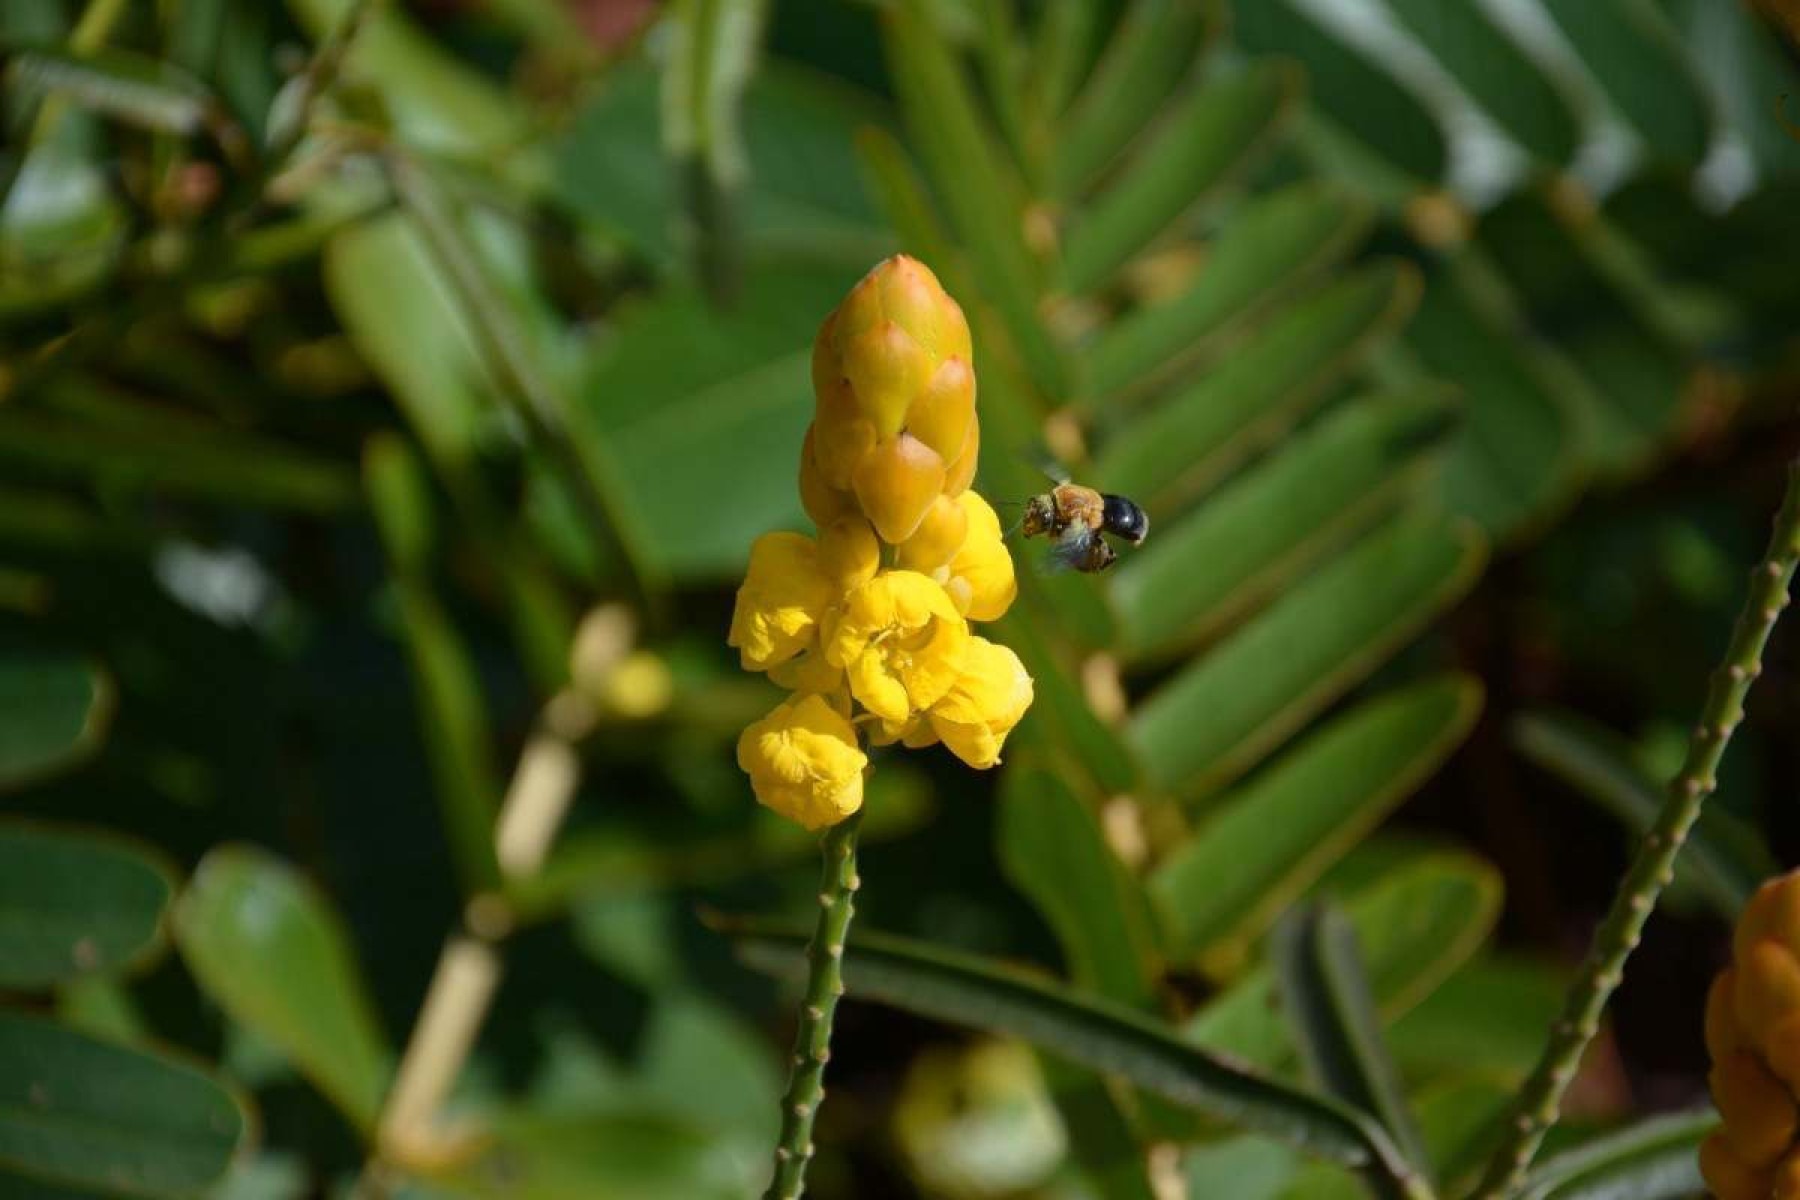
988 700
849 554
782 599
983 563
804 763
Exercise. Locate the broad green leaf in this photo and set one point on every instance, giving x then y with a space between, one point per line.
1155 44
118 83
1346 88
269 949
1518 455
1268 526
1267 842
985 203
1724 859
703 412
1416 925
1655 1159
1243 1168
1491 68
92 1115
1225 712
644 1155
53 711
437 102
396 307
1263 252
1196 147
1106 1148
1490 1016
74 903
1638 61
1054 851
803 195
966 990
1324 990
1253 397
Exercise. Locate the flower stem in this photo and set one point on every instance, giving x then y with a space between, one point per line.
1653 866
824 984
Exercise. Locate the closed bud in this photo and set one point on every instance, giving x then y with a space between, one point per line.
1753 1038
937 539
896 484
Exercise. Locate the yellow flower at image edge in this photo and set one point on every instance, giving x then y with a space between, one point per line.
804 763
981 708
901 640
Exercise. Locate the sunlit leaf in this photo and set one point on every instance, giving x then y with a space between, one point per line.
1265 843
267 947
1220 715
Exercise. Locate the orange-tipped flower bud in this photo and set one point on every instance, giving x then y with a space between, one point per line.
1753 1037
896 484
937 539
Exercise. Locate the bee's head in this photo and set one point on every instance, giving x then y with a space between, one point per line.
1123 518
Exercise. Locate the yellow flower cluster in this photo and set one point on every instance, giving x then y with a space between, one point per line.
868 623
1753 1037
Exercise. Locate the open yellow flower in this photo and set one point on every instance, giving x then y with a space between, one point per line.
804 763
981 579
783 598
901 641
983 705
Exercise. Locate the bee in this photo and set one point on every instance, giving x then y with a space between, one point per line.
1075 517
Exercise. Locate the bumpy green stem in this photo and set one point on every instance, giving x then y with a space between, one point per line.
1653 866
824 984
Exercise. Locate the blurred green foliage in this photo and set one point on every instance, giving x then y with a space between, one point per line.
352 353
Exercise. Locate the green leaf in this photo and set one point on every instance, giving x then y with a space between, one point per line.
54 709
1276 521
1206 140
1489 1016
1325 995
1638 61
1346 88
436 101
1223 713
1251 399
1652 1160
1417 924
1724 859
75 903
1060 717
1742 60
1154 45
1491 68
119 83
985 203
1266 843
269 949
78 1111
686 397
644 1155
1263 252
1054 851
969 991
1518 456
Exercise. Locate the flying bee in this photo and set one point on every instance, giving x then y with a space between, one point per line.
1074 518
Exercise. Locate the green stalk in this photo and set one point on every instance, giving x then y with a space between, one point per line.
1653 867
824 984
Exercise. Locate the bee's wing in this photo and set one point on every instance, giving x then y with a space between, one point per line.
1069 550
1046 462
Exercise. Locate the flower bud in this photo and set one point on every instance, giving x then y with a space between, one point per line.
896 484
937 539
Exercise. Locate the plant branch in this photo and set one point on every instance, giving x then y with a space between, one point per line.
1653 867
502 345
824 984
